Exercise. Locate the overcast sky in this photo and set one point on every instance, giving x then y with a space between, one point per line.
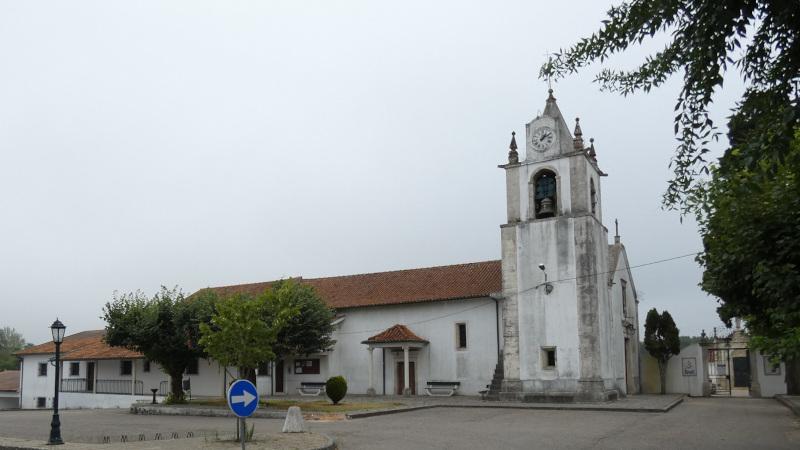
211 143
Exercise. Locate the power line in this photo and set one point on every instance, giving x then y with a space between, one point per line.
530 289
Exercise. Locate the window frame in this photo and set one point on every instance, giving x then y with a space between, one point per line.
126 365
74 369
41 402
624 285
459 342
193 368
39 371
546 352
146 366
535 202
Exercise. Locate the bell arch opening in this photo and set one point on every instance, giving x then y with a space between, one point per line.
544 194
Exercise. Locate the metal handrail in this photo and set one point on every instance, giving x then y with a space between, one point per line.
118 387
73 385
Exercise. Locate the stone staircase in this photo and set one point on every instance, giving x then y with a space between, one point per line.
497 381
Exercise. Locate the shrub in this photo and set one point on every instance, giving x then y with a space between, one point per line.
336 388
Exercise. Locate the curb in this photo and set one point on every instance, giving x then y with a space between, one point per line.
331 445
201 412
793 407
382 412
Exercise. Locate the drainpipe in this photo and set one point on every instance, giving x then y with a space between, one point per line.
21 377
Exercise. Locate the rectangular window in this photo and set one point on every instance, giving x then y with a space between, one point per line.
146 367
306 366
74 369
771 368
624 285
43 369
461 336
265 369
41 402
193 368
548 358
126 367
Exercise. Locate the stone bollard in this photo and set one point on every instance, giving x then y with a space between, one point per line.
294 422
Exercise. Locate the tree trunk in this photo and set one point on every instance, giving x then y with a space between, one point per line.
793 377
662 370
176 386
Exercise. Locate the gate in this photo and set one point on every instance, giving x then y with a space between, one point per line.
727 371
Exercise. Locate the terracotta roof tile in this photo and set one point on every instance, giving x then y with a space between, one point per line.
88 345
397 287
396 333
9 381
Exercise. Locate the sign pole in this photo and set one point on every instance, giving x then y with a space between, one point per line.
243 401
243 431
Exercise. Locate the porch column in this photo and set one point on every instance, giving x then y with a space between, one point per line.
371 389
406 388
133 375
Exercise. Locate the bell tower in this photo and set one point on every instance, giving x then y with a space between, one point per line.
558 338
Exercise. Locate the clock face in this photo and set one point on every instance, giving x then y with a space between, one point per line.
542 138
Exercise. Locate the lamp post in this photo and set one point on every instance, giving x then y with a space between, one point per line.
57 328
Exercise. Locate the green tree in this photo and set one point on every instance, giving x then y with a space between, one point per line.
243 331
661 341
751 238
310 330
10 342
747 236
165 329
706 39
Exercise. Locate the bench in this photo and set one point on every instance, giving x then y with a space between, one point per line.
311 389
442 388
484 392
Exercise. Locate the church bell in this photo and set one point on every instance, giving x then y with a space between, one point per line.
546 208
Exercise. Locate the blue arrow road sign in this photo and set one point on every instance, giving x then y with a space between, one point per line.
242 398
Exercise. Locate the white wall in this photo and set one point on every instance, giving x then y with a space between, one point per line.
771 385
83 400
677 383
33 385
439 360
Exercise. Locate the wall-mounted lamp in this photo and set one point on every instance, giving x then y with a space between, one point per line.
548 288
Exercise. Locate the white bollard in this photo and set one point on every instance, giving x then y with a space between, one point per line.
294 422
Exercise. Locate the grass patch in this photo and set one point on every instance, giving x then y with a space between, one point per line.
305 405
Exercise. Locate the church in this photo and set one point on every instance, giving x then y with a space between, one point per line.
555 319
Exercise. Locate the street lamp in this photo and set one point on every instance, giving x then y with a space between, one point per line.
57 328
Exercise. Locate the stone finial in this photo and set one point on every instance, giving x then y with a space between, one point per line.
550 97
592 153
616 231
513 156
577 141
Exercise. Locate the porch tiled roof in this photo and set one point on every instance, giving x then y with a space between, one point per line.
396 333
9 381
429 284
86 345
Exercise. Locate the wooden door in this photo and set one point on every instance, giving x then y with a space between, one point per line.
279 376
412 378
90 376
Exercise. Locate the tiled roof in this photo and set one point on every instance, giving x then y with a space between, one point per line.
88 345
397 333
9 381
397 287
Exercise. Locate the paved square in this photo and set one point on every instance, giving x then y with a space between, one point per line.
707 423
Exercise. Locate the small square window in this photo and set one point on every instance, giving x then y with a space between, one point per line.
548 357
461 336
74 369
125 367
41 402
265 369
43 369
193 368
146 366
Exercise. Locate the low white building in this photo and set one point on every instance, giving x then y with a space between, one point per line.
9 389
500 326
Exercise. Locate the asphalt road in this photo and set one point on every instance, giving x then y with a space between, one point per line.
697 423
